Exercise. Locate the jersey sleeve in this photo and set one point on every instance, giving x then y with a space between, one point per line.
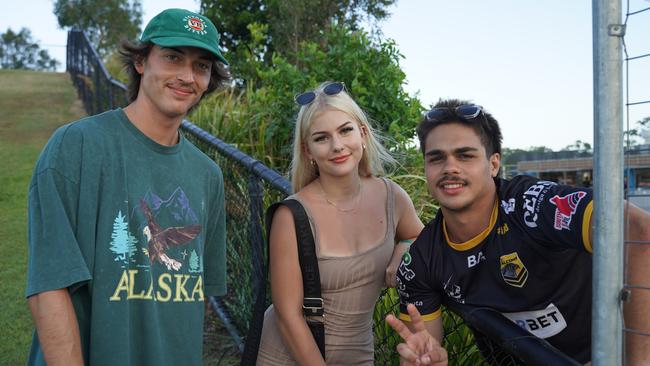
556 215
55 259
414 282
215 245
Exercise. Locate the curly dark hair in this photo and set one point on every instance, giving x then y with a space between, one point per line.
486 128
130 53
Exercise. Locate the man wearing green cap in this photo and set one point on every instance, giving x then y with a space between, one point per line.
127 218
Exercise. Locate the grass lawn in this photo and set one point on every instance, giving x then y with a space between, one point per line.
33 105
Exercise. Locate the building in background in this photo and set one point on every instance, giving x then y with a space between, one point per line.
576 168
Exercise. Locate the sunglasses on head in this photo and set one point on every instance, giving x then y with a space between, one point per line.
465 111
308 97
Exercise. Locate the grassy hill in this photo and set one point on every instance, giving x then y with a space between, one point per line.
33 105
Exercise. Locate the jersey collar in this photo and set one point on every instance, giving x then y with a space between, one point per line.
473 242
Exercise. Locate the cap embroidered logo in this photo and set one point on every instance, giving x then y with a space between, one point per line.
195 25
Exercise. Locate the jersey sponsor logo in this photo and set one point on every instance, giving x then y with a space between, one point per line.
513 270
566 207
533 196
473 260
503 229
407 274
403 269
406 258
453 291
401 290
509 206
543 323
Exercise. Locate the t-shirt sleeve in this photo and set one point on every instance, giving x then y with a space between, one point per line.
55 260
556 215
414 282
215 245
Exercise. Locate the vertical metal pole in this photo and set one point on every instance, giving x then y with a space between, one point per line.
97 85
111 104
256 196
606 345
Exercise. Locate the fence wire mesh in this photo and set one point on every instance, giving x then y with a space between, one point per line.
250 187
636 49
247 195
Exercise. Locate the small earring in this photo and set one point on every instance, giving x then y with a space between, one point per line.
313 163
364 146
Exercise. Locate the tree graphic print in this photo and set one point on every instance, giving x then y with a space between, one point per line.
195 263
123 243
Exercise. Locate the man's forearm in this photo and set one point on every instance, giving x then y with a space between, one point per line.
638 278
57 327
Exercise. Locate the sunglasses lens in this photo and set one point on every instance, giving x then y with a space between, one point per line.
333 88
305 98
469 110
437 113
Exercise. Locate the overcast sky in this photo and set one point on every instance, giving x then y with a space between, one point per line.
527 62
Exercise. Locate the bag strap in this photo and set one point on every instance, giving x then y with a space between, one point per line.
312 302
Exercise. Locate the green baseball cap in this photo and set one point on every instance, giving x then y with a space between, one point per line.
180 27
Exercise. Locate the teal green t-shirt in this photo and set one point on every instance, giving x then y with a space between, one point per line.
136 232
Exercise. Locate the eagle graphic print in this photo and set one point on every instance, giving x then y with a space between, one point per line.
164 261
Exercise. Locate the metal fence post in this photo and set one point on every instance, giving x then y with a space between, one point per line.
606 345
97 88
256 194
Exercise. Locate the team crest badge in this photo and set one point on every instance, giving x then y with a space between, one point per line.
566 207
513 270
195 25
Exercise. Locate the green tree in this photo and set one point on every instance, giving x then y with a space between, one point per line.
232 17
640 134
260 117
294 21
287 23
580 146
19 51
106 22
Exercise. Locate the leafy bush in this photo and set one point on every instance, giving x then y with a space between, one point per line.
260 118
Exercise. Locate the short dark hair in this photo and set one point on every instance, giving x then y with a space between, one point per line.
486 126
130 53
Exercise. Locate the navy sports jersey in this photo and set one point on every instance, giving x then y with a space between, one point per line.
532 264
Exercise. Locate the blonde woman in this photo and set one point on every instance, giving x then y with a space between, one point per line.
361 223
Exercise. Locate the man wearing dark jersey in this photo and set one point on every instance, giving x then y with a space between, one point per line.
520 246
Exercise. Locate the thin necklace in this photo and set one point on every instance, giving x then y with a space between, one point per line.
356 205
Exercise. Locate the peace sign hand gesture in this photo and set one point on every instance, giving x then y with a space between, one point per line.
419 347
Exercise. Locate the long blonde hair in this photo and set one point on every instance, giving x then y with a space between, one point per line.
374 156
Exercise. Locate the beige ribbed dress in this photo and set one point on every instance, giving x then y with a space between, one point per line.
350 287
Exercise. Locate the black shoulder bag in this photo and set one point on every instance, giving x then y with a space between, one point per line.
312 305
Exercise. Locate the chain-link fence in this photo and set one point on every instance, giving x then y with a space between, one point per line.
636 49
250 187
